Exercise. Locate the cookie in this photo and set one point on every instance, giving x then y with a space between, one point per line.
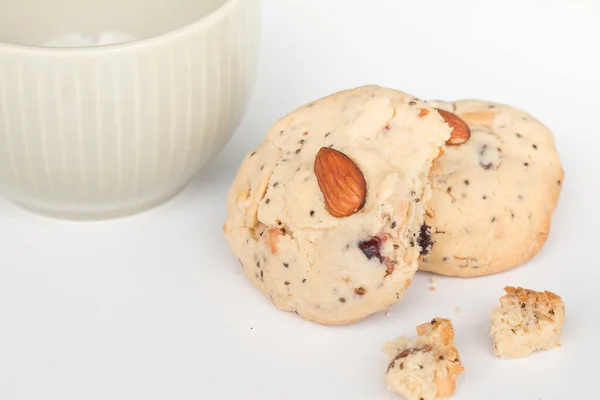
424 368
526 321
494 193
325 215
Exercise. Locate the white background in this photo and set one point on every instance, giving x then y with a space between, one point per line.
155 307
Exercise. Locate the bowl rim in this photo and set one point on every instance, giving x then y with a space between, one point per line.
203 22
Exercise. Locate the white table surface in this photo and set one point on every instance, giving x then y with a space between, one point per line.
156 307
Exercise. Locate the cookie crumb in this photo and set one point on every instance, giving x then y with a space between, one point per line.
432 288
457 310
433 279
426 366
526 321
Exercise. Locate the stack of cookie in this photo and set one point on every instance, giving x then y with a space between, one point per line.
348 196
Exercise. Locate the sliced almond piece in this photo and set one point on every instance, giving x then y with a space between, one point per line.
430 213
272 237
483 118
445 386
341 181
242 198
460 130
455 367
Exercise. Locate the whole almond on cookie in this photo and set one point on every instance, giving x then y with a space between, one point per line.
460 130
341 182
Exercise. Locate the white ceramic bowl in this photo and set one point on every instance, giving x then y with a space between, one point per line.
106 131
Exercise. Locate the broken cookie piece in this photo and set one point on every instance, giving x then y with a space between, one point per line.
526 321
424 368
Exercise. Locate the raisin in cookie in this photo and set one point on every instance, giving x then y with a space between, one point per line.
325 215
526 321
425 368
494 191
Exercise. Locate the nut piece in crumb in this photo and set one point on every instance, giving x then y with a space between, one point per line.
526 321
341 182
423 113
460 130
425 368
272 237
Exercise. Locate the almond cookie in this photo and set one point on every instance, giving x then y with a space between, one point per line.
424 368
325 215
526 321
494 190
